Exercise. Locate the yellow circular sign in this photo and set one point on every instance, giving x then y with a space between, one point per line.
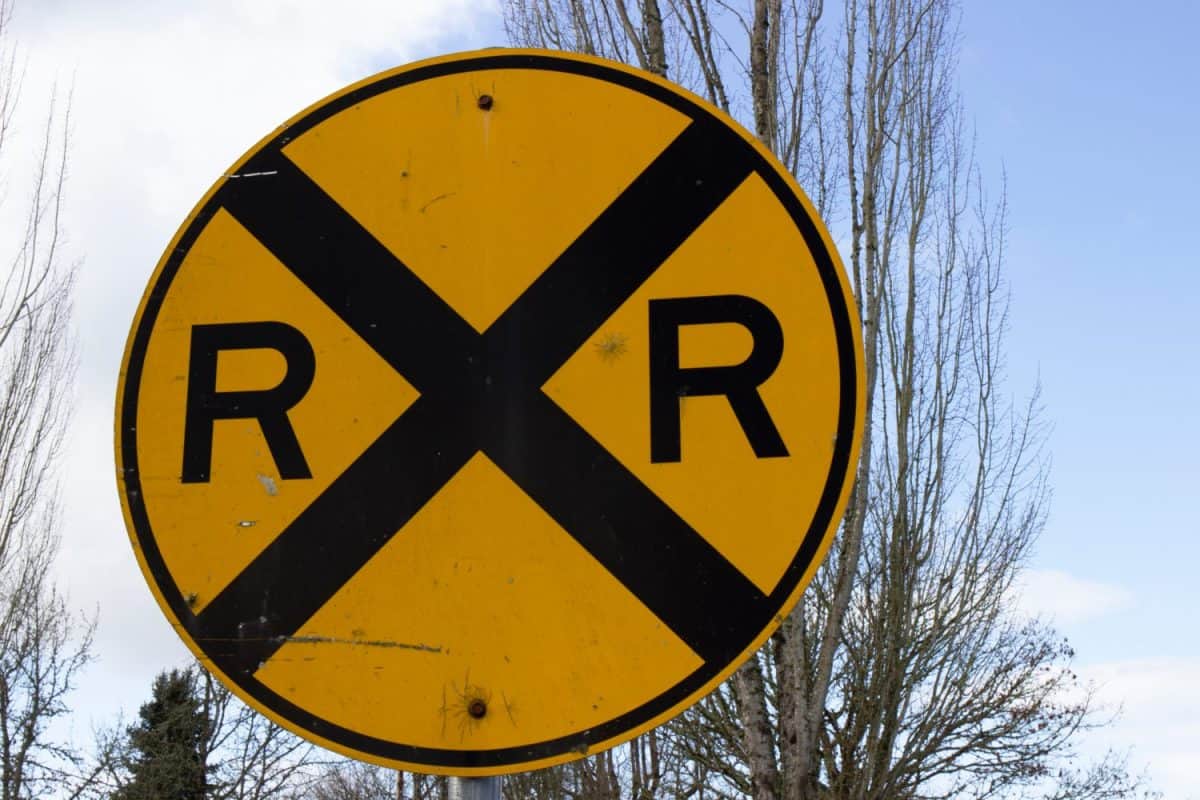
489 412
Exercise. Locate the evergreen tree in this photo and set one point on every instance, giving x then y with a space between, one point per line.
166 757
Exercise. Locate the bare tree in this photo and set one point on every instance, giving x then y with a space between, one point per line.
42 644
249 757
354 780
904 672
648 767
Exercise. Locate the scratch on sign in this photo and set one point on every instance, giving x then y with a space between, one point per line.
253 174
436 199
425 648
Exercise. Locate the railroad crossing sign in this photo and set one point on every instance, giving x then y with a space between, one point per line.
489 412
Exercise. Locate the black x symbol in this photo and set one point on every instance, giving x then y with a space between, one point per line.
483 393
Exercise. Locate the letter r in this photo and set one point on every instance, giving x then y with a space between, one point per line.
205 404
738 383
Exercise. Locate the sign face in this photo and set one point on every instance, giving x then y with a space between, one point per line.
489 412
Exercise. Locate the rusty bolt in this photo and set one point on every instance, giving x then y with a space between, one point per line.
477 708
485 102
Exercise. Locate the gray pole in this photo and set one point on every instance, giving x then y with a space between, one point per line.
476 788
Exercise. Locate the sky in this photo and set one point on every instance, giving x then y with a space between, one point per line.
1085 108
1089 111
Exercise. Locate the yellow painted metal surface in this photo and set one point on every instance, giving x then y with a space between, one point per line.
477 203
751 509
208 532
496 605
497 602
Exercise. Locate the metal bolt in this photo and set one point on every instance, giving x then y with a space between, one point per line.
477 708
485 102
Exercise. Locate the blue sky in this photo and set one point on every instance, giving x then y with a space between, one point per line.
1091 111
1090 108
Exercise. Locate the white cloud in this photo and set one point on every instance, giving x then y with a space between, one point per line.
166 95
1155 701
1159 700
1065 599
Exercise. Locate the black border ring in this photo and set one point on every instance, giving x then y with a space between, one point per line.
822 523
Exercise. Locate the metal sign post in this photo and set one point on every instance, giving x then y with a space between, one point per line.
476 788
